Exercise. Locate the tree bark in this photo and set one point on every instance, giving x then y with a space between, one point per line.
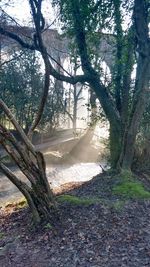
115 145
141 83
38 194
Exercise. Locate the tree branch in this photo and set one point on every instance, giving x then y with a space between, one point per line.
17 127
52 71
14 58
17 39
13 178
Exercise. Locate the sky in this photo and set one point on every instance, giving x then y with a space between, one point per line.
17 9
20 10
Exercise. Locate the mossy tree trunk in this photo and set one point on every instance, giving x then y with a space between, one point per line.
115 141
31 163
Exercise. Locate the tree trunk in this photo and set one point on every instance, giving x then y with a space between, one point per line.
93 107
139 105
44 202
31 163
74 116
129 151
115 145
39 196
75 104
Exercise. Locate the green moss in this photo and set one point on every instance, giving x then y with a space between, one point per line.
1 235
7 159
131 189
21 204
126 175
48 226
119 205
77 200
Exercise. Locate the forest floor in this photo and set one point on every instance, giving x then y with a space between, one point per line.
102 224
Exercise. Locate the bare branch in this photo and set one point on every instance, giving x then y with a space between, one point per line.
52 71
78 94
12 59
17 127
43 100
17 39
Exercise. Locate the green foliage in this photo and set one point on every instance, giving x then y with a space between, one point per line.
118 205
1 235
48 226
78 200
126 175
131 189
22 87
93 16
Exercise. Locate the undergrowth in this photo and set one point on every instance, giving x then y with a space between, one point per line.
129 187
78 200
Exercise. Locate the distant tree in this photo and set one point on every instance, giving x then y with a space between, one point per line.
21 86
21 89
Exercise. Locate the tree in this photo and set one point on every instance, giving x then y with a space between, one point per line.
21 88
72 100
124 111
38 194
142 152
123 100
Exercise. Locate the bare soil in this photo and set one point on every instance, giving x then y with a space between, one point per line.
96 235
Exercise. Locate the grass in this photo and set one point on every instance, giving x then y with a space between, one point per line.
119 205
48 226
130 188
78 200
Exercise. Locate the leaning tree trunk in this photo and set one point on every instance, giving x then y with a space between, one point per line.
38 194
31 163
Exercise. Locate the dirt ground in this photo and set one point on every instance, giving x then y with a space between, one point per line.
95 235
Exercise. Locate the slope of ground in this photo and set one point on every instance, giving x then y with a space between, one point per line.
105 230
